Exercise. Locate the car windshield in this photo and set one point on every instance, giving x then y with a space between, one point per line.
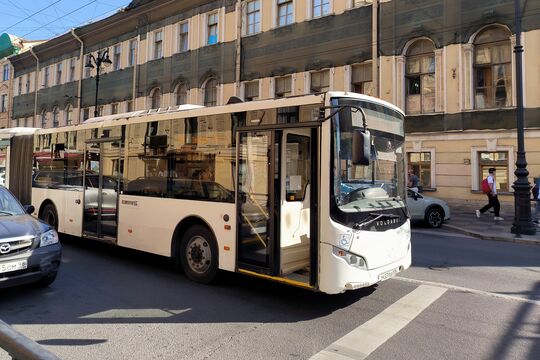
381 184
8 204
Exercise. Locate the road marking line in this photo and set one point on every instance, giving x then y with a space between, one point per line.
366 338
469 290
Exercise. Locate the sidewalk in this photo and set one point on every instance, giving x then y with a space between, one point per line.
463 220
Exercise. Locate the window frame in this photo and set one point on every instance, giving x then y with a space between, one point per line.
289 5
210 27
117 57
181 35
157 43
409 77
256 25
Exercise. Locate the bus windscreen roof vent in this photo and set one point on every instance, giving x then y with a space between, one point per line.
234 100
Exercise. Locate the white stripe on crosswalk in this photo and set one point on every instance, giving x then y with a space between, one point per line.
366 338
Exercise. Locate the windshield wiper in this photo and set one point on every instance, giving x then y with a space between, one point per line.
376 217
6 213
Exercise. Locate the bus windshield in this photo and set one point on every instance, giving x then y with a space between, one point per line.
381 184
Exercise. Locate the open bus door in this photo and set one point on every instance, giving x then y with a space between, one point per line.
102 184
277 204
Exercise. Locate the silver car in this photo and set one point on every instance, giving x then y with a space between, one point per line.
431 210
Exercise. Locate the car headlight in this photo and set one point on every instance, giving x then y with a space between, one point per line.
48 238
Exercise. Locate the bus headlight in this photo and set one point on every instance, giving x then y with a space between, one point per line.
48 238
351 259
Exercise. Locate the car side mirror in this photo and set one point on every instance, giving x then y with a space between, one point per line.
29 209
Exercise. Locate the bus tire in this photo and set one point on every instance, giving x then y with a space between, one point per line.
199 254
50 216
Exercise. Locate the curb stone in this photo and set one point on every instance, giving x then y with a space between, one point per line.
491 237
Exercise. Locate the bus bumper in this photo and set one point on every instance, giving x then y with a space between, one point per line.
336 275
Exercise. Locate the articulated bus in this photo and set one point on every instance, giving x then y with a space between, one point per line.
307 191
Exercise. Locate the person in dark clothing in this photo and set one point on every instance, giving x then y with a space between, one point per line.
493 201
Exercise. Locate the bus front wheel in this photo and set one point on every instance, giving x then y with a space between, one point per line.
50 216
199 254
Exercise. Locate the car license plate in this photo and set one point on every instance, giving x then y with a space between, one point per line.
13 266
388 274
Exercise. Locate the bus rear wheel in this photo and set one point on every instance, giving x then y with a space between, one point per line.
199 254
50 216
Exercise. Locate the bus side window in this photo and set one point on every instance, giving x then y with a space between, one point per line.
298 160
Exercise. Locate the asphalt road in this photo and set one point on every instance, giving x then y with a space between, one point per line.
109 303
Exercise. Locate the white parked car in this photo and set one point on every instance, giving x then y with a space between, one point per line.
431 210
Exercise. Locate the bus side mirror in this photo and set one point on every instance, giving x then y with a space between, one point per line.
361 147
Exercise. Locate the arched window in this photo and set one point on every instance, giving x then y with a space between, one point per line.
155 98
492 69
210 92
181 93
55 117
69 114
43 117
420 78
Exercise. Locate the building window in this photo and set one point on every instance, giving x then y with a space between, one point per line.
158 44
27 84
4 104
320 81
283 87
129 106
497 160
19 86
72 66
69 115
181 94
212 29
46 75
420 163
86 114
114 108
87 70
100 110
117 57
55 117
420 78
5 76
253 17
320 7
155 98
59 68
251 91
361 79
183 37
493 69
284 12
210 92
132 52
43 119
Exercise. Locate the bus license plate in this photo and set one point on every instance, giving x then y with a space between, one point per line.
13 266
388 274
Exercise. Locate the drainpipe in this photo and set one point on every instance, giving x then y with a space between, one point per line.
79 90
375 46
11 94
240 10
36 83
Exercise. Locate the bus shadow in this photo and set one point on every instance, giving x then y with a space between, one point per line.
98 283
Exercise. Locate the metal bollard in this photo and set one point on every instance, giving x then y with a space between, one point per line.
19 347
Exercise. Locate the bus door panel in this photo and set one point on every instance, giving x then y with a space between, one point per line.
255 215
101 188
295 202
73 212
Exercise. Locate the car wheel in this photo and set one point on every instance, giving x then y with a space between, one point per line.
47 280
50 216
199 254
434 217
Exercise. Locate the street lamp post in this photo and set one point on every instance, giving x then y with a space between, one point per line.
98 60
522 188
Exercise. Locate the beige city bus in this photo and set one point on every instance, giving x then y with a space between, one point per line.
308 190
